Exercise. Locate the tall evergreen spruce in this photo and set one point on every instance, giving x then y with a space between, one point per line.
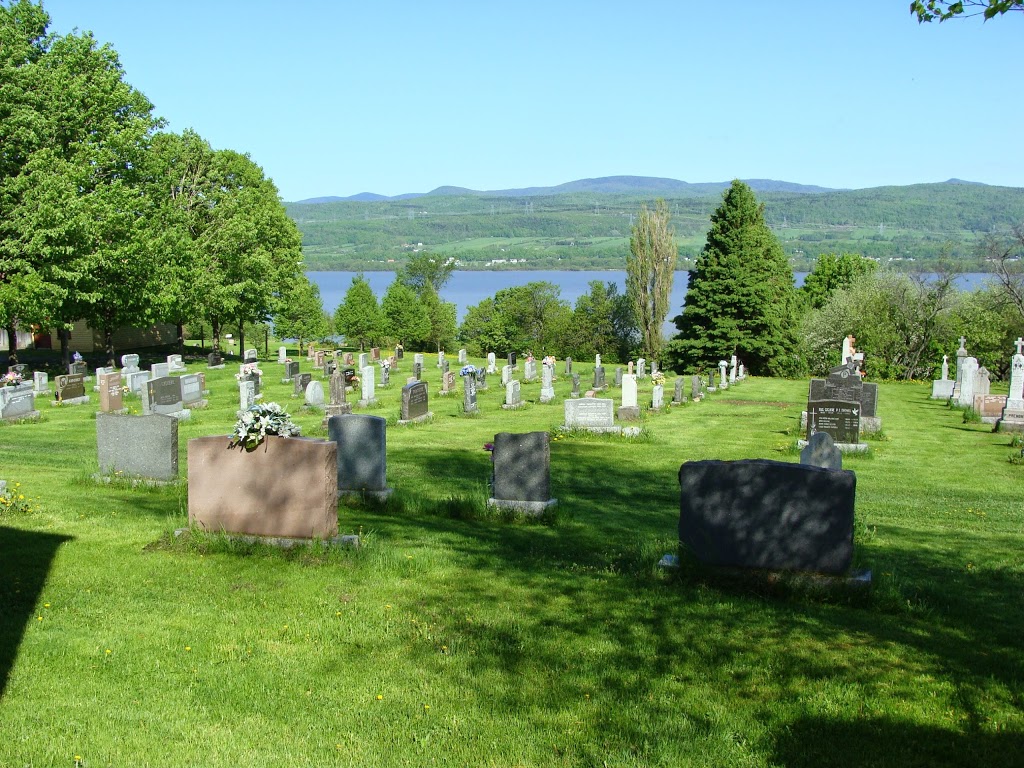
740 298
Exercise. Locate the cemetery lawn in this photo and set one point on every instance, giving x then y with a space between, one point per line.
456 637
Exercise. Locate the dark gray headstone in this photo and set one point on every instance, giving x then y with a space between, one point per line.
839 418
568 366
767 514
78 368
843 383
138 446
618 376
349 374
599 377
677 395
165 395
469 394
695 387
821 451
291 369
575 385
362 452
300 382
869 400
414 401
522 467
417 370
214 359
69 385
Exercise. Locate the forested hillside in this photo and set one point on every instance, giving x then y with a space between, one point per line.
912 226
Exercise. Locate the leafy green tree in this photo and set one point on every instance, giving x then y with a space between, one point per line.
740 299
483 329
442 315
404 316
900 324
943 10
423 269
602 322
358 317
650 269
300 313
832 272
990 323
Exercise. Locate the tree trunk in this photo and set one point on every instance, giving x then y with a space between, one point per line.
180 330
215 334
241 339
108 345
65 346
12 343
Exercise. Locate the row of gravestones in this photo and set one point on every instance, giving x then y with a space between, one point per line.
971 389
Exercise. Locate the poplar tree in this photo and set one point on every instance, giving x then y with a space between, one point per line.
650 268
740 299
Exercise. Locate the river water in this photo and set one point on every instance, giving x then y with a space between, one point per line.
468 288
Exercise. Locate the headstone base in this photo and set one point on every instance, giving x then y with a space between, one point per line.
681 402
197 404
30 416
616 430
119 412
545 399
131 480
628 413
71 401
284 542
379 495
367 403
425 417
286 381
843 447
712 389
535 508
446 392
1010 422
183 415
516 407
215 367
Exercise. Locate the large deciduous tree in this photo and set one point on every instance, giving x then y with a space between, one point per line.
832 272
943 10
300 313
424 269
650 268
740 298
602 322
405 318
358 317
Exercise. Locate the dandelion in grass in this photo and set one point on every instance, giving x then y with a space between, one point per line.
379 697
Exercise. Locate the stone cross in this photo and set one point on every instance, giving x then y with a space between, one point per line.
1020 345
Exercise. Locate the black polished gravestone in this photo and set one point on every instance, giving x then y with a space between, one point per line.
301 381
69 386
757 513
214 360
291 370
349 374
843 383
414 401
837 418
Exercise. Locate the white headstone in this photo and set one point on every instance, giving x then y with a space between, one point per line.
492 366
368 385
282 354
315 394
629 394
246 395
968 373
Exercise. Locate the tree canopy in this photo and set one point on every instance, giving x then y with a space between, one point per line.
943 10
650 269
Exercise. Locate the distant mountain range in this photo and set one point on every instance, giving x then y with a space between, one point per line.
608 185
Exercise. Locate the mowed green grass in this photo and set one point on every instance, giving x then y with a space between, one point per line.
457 638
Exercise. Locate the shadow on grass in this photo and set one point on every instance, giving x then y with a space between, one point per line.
25 559
811 742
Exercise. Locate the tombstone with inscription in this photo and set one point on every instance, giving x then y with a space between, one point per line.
844 383
338 404
599 382
630 410
69 389
1012 417
440 360
506 374
192 385
696 387
492 363
968 377
481 379
513 399
18 402
530 370
111 396
619 374
594 414
399 352
315 394
463 359
575 385
839 418
415 405
175 364
469 404
385 374
300 381
942 389
678 398
547 388
41 382
78 368
163 396
362 454
723 380
251 356
657 397
214 360
521 477
417 371
368 387
513 359
159 370
364 360
282 355
375 354
291 370
129 364
447 382
641 368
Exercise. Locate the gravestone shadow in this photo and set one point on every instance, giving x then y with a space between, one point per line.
25 560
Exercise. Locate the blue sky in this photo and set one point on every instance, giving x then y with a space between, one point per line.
336 98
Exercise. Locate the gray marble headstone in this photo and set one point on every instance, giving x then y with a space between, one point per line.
469 394
315 394
362 451
591 413
415 403
137 446
821 451
300 381
522 469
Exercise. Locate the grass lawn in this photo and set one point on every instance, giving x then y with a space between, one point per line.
454 637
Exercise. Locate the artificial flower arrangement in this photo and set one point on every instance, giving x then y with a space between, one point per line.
261 420
385 364
468 370
11 379
658 379
77 356
249 369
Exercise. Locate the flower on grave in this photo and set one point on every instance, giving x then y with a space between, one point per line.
77 357
257 422
658 379
385 364
249 370
11 379
549 360
468 370
488 446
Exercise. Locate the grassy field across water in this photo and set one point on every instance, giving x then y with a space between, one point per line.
457 637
